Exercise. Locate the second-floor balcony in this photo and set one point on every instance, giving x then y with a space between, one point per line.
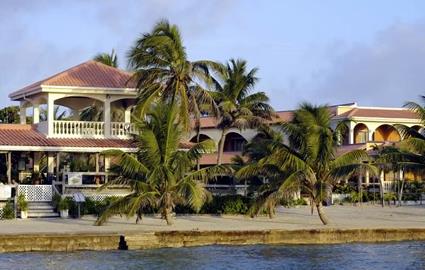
88 129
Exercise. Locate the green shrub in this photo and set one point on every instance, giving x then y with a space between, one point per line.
22 203
64 204
354 197
231 204
55 200
390 196
8 211
90 206
343 188
300 201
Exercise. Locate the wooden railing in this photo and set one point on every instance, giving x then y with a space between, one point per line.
78 129
121 129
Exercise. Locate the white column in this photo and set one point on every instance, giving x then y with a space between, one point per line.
107 117
50 162
351 135
36 114
36 161
9 167
127 115
382 179
23 113
400 174
370 136
50 114
107 167
97 162
367 177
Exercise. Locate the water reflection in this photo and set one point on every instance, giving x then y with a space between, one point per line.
404 255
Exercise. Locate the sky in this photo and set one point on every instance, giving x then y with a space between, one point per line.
323 52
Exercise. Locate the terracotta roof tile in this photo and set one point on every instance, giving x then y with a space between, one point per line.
87 74
210 159
379 113
283 116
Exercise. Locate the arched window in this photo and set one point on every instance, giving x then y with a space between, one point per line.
386 133
361 133
234 142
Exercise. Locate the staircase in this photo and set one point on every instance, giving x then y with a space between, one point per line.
41 210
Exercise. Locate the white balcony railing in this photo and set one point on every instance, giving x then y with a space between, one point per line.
86 129
121 129
78 129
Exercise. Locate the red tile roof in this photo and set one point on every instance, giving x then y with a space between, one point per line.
283 116
380 113
27 135
87 74
210 159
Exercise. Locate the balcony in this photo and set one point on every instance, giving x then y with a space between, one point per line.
88 129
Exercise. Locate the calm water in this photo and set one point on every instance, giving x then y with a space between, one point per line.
404 255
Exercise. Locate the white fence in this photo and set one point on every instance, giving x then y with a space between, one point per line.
120 129
36 193
78 128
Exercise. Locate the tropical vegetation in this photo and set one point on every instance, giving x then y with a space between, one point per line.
307 162
161 175
238 107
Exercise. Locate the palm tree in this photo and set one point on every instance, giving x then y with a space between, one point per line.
414 140
238 108
107 59
308 161
59 113
160 175
163 72
410 153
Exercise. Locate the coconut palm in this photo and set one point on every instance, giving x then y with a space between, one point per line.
410 153
163 72
308 161
59 113
160 174
238 107
413 139
107 59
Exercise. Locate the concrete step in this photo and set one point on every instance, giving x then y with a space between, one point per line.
41 210
42 215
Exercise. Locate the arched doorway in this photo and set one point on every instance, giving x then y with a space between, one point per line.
386 133
361 133
234 142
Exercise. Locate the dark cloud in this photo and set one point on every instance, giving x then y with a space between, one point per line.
386 72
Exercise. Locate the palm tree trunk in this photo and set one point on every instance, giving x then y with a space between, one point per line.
322 214
400 194
167 215
311 206
198 135
221 146
381 188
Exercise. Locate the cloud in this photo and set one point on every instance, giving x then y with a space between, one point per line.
387 72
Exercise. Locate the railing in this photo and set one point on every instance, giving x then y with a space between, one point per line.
36 193
78 128
121 129
389 186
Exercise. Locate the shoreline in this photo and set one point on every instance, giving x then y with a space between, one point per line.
69 242
290 226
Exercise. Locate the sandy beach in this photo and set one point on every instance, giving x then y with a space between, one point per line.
342 217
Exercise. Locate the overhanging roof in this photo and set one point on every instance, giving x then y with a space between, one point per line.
90 74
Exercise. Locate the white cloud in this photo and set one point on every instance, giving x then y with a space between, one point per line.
387 72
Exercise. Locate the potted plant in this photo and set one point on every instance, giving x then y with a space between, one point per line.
63 207
23 206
